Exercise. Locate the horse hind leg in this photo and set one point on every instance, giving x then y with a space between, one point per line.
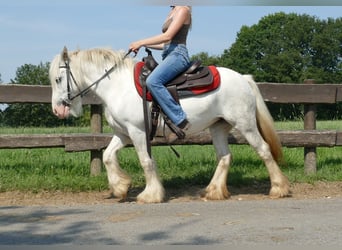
279 182
217 188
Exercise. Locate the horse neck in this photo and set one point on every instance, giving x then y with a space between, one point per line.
90 66
111 86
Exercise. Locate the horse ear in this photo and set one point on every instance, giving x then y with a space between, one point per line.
65 55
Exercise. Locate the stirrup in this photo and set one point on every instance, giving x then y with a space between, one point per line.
175 129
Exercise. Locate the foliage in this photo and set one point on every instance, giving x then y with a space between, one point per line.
17 115
1 113
290 48
32 74
206 59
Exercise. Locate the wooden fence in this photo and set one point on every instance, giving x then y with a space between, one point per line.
308 94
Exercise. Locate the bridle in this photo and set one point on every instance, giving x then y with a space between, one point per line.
81 93
70 77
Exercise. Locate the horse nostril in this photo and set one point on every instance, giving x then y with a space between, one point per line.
55 112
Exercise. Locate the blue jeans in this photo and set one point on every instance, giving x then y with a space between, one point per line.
175 61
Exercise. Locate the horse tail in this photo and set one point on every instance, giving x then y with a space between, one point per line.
265 122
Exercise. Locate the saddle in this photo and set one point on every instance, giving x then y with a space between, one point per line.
196 80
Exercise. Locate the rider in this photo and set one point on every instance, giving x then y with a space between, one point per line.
176 59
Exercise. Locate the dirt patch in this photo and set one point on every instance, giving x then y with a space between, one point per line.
257 192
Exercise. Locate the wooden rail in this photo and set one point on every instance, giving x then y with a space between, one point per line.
88 142
271 92
308 94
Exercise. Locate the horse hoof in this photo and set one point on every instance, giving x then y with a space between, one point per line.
121 191
120 196
151 197
148 200
279 192
213 193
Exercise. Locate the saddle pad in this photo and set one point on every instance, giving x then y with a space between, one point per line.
182 93
137 69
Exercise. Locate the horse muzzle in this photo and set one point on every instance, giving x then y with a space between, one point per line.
61 111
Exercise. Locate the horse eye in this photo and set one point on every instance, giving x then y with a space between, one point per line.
58 79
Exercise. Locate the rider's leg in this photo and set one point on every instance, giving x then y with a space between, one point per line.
172 65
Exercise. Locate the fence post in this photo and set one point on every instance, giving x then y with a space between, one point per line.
310 124
96 127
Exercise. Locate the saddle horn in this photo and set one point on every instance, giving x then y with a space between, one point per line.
149 60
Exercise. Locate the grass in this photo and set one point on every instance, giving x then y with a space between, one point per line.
53 169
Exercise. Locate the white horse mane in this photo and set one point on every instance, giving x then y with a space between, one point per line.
102 58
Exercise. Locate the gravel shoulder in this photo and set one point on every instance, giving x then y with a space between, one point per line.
299 191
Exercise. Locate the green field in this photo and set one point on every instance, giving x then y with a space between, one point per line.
53 169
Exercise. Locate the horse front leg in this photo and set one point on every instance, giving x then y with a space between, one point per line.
154 191
119 180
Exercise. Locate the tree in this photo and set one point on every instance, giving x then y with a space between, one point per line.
1 114
327 52
205 58
34 115
288 48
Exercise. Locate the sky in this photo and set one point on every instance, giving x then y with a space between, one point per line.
34 31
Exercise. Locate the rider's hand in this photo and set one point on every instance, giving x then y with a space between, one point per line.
135 46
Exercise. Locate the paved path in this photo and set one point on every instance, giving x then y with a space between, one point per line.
272 222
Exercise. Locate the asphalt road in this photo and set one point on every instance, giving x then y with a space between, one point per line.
316 222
